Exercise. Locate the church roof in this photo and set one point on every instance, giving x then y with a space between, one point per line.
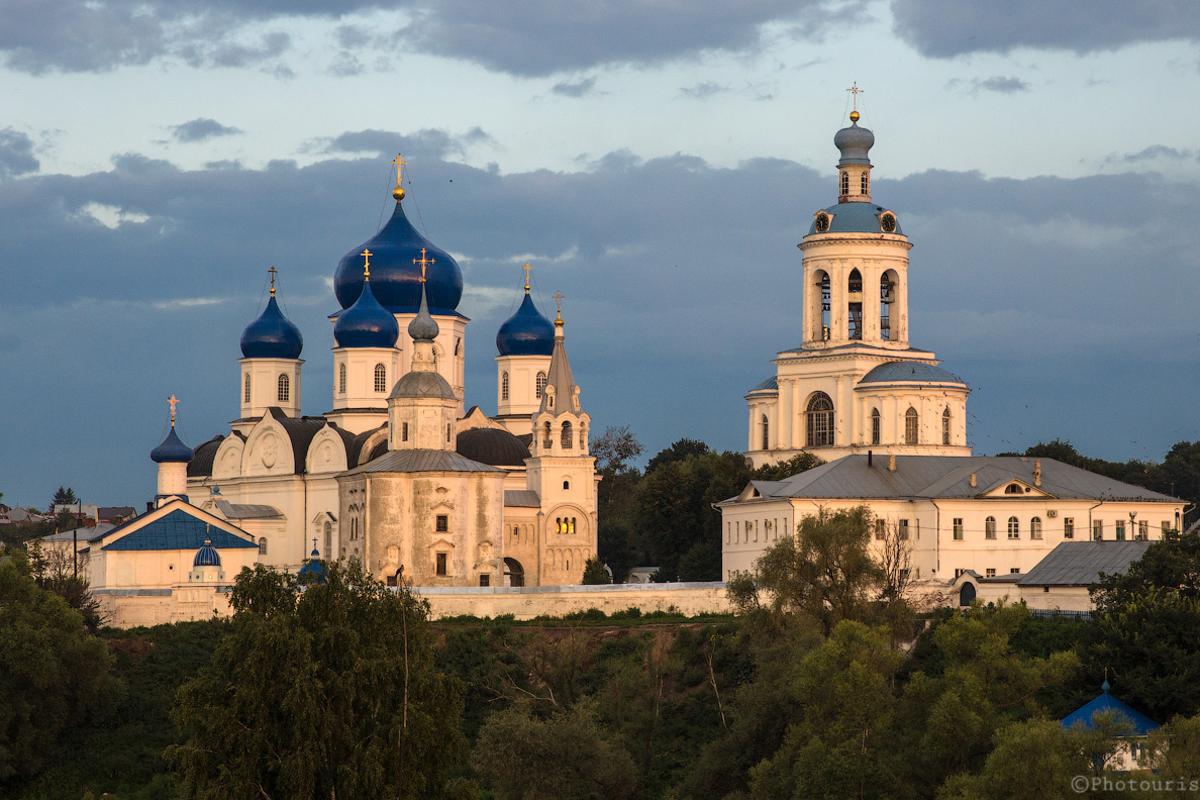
179 529
201 465
300 431
910 372
423 385
526 333
420 460
522 498
247 510
771 384
172 450
1085 715
560 376
366 323
494 446
272 335
854 217
947 477
1080 563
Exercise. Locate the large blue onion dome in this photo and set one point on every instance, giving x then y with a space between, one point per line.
272 335
526 333
854 142
172 450
396 275
207 556
366 323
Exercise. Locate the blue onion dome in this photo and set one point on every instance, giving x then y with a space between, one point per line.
526 333
207 556
423 327
172 450
272 335
854 142
313 570
396 278
366 323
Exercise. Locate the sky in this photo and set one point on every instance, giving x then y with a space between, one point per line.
656 160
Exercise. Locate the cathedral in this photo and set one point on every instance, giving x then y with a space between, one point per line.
398 473
855 383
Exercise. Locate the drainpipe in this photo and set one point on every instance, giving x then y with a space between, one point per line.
1099 503
937 537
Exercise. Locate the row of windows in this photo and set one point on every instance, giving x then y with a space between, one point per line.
864 183
566 436
565 525
539 385
854 308
1068 530
283 388
819 420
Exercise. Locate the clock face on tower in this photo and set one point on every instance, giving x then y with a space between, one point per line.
887 222
822 223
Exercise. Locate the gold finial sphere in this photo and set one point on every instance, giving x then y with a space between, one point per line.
398 193
854 115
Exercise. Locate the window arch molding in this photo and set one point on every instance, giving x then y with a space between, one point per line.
912 426
380 378
819 418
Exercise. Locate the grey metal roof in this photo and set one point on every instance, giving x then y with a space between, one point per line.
1080 563
948 477
495 446
771 384
421 385
559 377
910 372
82 534
421 461
247 510
522 498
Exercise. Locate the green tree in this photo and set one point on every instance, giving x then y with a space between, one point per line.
320 692
566 757
786 469
1032 759
679 450
1174 749
53 673
594 573
617 542
614 450
63 495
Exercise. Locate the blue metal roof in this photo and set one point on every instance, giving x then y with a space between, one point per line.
526 333
178 530
172 450
366 323
1085 714
771 384
272 335
854 218
910 372
395 275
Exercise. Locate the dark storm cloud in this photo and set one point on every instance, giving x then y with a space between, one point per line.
16 154
947 28
1001 84
201 129
536 37
579 88
681 278
1152 153
428 143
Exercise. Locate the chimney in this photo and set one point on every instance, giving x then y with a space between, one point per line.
149 506
973 480
870 458
1037 472
891 462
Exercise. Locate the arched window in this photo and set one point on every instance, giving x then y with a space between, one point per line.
1014 488
766 433
568 436
820 420
989 528
854 308
262 546
821 306
946 425
541 384
547 437
864 184
1035 528
1014 528
328 531
912 426
583 437
887 296
566 486
341 378
503 385
380 378
458 347
876 426
572 524
845 183
246 388
284 385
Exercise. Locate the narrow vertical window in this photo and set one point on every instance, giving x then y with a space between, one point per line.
1014 528
568 437
442 523
854 308
284 388
504 385
819 414
887 296
341 378
380 378
540 384
1120 530
1098 529
1068 527
447 433
566 486
246 388
958 529
845 183
441 564
328 531
864 184
912 426
547 436
989 528
766 433
826 291
1035 528
404 431
946 426
262 546
880 530
876 426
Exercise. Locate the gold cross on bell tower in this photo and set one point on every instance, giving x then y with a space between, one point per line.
398 162
527 267
854 93
272 272
558 298
172 402
424 262
366 254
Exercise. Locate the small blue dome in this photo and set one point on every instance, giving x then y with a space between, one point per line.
313 570
207 556
526 333
172 450
395 279
272 335
854 142
366 323
854 218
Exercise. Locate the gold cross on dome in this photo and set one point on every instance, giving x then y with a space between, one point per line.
854 93
399 163
172 402
558 298
528 268
366 254
424 262
272 271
